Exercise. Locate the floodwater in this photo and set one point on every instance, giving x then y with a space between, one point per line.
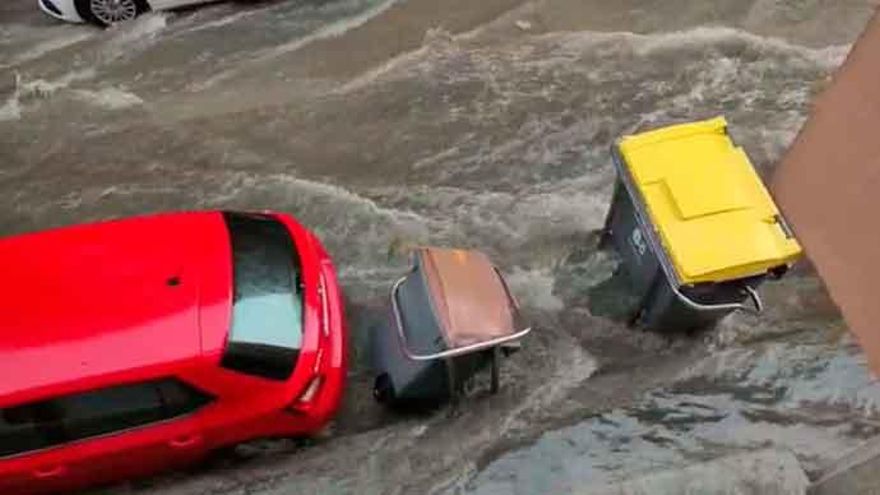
384 124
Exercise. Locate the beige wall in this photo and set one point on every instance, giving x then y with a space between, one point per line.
828 186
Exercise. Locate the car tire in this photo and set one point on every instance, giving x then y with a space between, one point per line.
91 11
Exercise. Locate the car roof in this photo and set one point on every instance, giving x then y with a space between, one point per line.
86 303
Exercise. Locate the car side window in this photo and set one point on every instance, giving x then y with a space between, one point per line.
65 419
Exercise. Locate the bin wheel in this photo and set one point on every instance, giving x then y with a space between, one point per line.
636 318
605 238
468 386
383 389
496 358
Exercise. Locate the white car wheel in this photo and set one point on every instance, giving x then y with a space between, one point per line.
107 12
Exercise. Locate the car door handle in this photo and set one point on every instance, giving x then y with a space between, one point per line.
50 472
185 441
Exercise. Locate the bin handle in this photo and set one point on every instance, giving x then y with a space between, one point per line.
757 307
450 352
756 299
513 301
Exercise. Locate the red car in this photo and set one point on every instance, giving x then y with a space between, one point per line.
136 345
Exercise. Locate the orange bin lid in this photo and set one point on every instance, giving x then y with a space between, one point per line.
468 295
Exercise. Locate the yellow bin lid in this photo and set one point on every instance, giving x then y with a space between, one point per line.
715 218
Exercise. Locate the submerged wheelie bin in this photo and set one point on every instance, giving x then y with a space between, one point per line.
452 315
695 227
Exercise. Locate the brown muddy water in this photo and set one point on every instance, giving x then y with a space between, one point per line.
386 123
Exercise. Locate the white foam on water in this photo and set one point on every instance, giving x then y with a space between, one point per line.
359 232
534 288
701 37
10 110
133 36
66 38
341 195
579 203
332 30
697 38
221 22
572 366
572 43
36 90
109 98
544 210
240 183
598 82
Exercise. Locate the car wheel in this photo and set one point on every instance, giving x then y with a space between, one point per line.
107 12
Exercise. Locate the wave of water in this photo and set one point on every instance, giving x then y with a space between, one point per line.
350 15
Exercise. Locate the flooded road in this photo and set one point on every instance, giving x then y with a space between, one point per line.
383 124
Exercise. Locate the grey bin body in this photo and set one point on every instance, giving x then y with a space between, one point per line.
664 304
421 381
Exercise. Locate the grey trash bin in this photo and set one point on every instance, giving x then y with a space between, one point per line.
450 316
669 301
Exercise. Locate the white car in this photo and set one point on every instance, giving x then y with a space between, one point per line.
106 12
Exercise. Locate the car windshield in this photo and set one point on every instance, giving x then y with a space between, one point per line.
266 331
